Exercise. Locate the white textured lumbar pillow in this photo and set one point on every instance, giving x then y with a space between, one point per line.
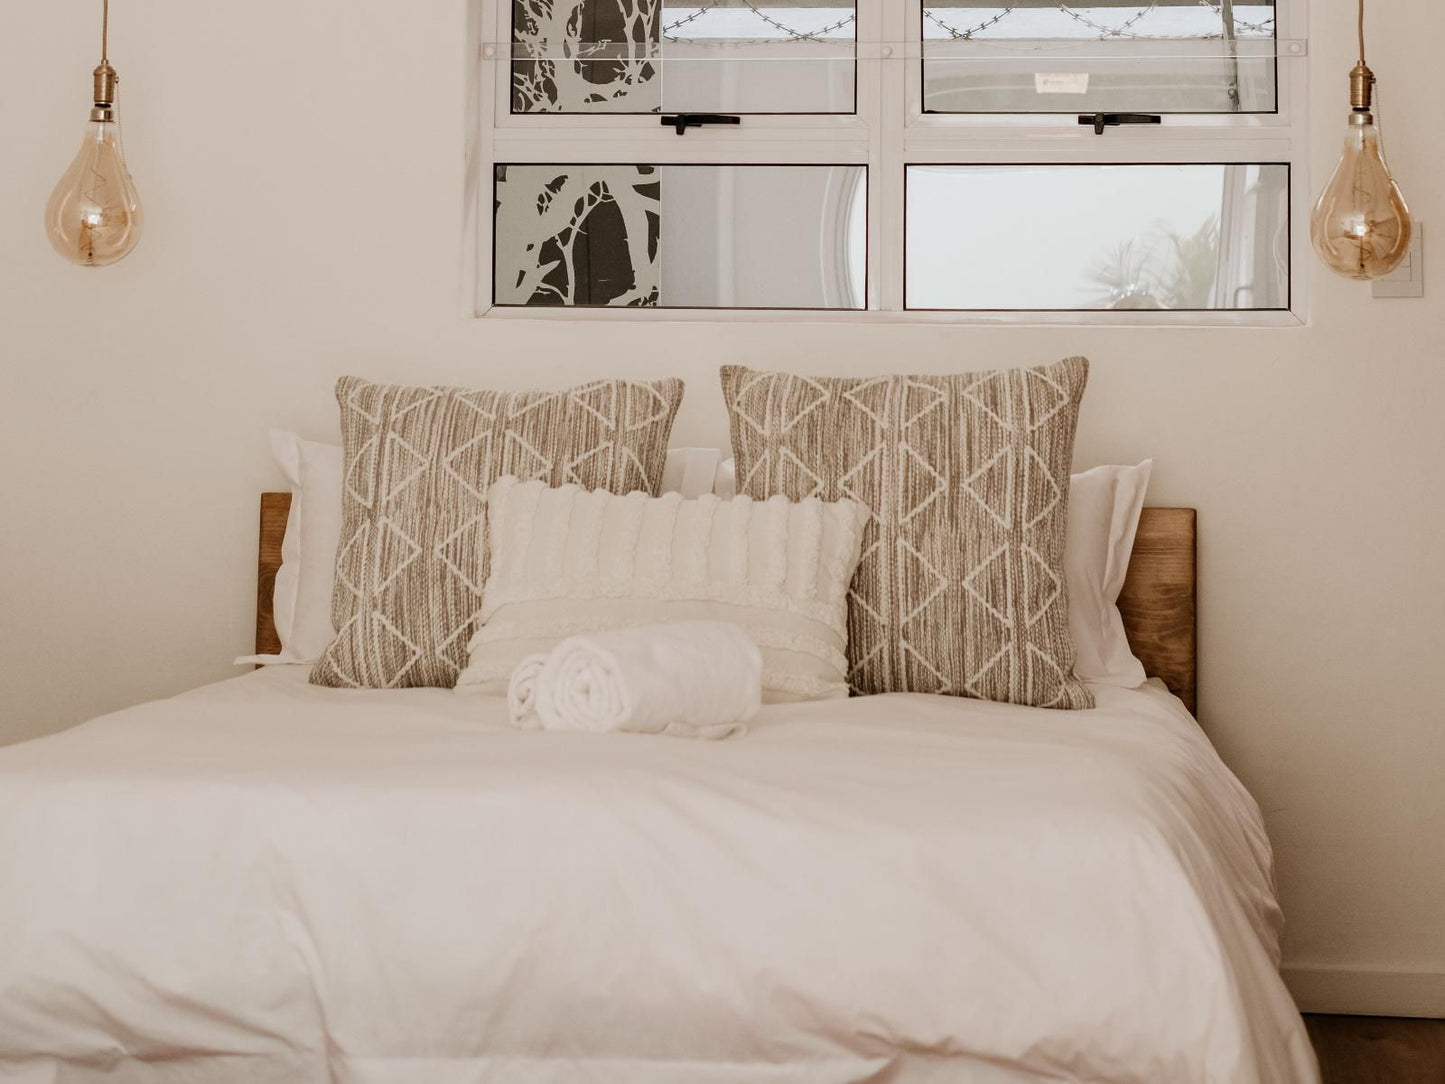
565 561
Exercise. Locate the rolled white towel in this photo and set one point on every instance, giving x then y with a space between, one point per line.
522 691
697 679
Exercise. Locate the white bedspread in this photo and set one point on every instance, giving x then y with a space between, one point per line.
263 881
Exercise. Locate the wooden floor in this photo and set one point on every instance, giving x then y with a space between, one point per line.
1378 1049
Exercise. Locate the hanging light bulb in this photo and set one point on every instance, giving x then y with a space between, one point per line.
94 216
1360 226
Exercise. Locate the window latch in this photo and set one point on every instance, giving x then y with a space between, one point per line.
1100 121
683 121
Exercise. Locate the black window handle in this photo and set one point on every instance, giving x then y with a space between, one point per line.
683 121
1100 121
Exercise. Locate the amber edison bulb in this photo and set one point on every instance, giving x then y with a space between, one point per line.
94 215
1360 226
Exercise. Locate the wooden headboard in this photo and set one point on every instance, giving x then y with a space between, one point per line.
274 509
1158 601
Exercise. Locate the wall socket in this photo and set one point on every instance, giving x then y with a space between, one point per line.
1407 280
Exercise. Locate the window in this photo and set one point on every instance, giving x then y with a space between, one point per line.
703 56
733 238
1171 56
971 158
1119 237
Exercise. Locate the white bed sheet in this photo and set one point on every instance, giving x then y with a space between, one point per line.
264 881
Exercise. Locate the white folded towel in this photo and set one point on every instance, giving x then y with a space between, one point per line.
696 679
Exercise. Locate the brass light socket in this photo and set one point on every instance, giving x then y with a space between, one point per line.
105 81
1362 86
104 97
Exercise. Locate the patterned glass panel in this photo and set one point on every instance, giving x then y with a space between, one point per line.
1184 237
696 56
1041 56
789 237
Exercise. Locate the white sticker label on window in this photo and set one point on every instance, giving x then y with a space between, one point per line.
1061 82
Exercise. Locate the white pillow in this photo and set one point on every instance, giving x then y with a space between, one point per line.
566 561
301 600
1104 507
285 447
725 481
320 522
690 471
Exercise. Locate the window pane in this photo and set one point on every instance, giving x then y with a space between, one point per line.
695 56
1039 56
1098 237
791 237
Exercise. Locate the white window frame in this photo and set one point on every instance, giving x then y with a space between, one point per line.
888 132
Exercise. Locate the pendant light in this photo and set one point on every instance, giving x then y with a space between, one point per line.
1360 226
94 215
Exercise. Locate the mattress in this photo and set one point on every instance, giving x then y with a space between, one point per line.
266 881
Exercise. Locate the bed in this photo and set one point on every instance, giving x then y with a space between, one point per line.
262 880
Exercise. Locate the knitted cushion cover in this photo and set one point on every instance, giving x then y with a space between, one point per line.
566 562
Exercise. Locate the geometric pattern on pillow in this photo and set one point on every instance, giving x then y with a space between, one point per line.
960 589
418 465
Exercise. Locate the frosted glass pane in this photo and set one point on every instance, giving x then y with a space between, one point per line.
791 237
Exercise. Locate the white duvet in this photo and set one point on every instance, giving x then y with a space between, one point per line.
264 881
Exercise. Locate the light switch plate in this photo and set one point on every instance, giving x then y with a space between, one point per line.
1407 280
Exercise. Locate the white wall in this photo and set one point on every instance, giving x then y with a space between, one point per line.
301 165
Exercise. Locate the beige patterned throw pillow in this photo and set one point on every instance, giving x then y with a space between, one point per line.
960 589
419 462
